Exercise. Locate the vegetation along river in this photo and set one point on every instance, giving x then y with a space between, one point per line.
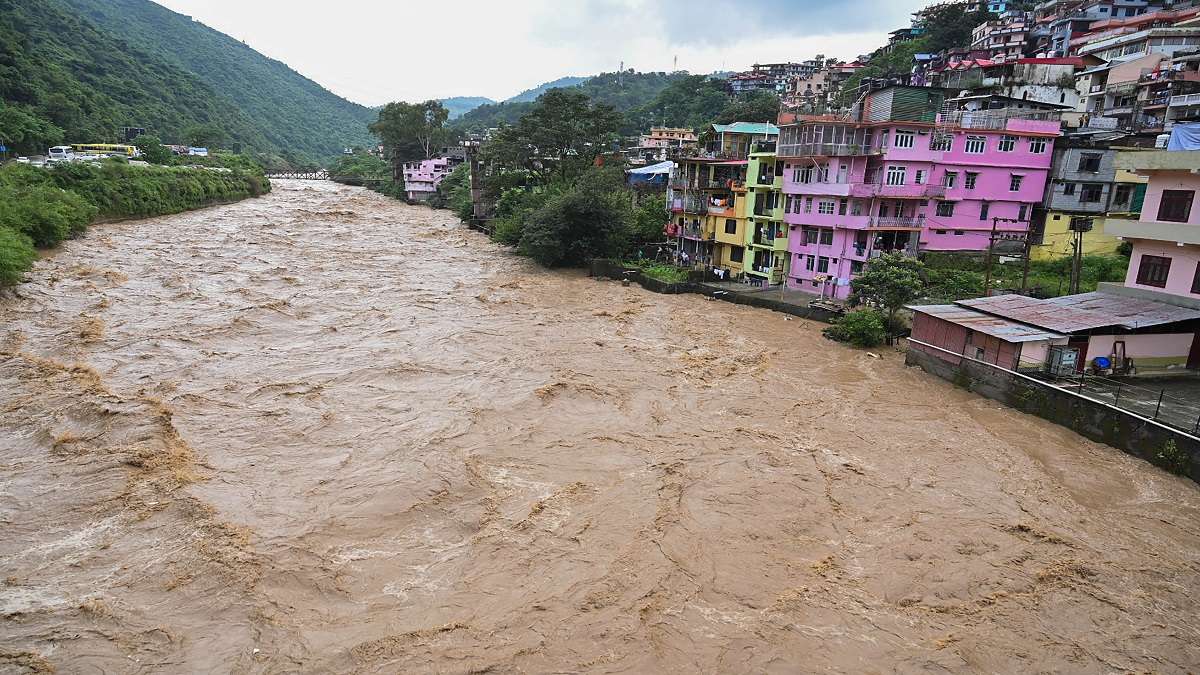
326 431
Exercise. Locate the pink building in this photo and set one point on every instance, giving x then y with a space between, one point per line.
421 179
902 178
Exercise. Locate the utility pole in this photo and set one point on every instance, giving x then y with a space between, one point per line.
1079 226
987 277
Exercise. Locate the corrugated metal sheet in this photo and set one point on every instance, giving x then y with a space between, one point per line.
1003 329
1079 313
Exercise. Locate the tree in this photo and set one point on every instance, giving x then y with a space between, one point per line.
209 135
650 219
25 132
889 283
590 220
152 149
757 106
560 136
412 131
863 328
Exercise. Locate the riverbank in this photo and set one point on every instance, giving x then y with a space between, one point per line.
42 207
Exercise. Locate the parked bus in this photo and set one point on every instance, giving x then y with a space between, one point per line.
107 149
61 153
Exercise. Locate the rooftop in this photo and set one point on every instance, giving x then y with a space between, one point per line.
1084 312
1009 331
762 128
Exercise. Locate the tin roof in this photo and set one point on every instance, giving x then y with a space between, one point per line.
758 128
1009 331
1078 313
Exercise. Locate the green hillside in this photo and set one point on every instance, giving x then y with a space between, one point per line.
294 115
531 95
458 106
61 78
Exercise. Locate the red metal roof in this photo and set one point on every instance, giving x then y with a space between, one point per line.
1009 331
1079 313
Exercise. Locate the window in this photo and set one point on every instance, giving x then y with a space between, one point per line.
905 139
808 204
976 145
1037 146
809 262
1176 205
1014 183
971 180
825 208
896 175
826 237
1153 270
983 210
945 209
843 205
1007 143
737 254
1023 212
959 233
856 267
823 173
811 234
803 175
1091 193
822 265
730 226
1196 280
1122 195
919 177
1089 162
1069 189
950 179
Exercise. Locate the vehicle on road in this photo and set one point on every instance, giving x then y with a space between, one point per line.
107 149
61 153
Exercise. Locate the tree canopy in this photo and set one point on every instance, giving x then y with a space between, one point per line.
563 133
412 131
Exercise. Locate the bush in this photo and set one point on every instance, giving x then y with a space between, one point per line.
16 256
862 328
650 219
668 273
590 220
44 213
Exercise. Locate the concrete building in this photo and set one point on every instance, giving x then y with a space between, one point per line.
1005 38
421 179
1082 185
766 234
662 143
900 177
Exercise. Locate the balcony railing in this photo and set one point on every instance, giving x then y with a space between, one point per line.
994 119
830 150
762 146
873 187
882 222
1185 99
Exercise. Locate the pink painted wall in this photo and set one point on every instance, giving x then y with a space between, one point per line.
1170 180
1184 260
1172 346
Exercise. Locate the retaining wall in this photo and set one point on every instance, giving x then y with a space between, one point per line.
1096 420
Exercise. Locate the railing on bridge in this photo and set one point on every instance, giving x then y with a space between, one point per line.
300 175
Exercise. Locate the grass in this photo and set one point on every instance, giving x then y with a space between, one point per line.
666 273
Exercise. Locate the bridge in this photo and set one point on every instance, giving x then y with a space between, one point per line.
325 175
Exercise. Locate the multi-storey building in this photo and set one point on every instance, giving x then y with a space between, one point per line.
766 234
902 177
421 179
1165 265
1083 184
1005 38
1170 93
662 142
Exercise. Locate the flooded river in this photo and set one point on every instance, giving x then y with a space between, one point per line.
323 431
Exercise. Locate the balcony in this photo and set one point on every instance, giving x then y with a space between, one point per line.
1185 99
896 223
874 188
1002 119
764 147
830 150
763 210
693 205
695 232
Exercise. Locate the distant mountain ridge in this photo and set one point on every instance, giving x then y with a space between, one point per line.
287 113
530 95
461 105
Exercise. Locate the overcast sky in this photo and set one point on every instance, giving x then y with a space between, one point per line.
374 51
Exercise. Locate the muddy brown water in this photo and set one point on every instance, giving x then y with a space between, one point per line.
323 431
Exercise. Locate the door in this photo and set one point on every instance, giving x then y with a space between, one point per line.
1080 343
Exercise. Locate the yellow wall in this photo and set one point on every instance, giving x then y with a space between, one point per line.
721 254
1058 237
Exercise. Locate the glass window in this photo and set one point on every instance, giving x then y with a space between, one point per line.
1091 193
827 237
730 226
825 208
1069 189
737 254
1014 183
919 177
809 262
1176 205
1089 162
971 180
1007 143
843 206
905 139
941 143
822 265
950 179
1023 212
1153 270
976 145
1122 195
808 204
1037 146
1196 280
856 208
945 209
983 210
896 175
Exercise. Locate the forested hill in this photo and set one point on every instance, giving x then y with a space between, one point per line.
624 91
291 112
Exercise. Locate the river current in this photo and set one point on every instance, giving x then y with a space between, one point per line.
324 431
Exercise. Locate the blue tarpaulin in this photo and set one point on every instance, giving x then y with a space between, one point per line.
1185 137
653 174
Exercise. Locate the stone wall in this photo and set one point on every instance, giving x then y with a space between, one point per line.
1154 442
